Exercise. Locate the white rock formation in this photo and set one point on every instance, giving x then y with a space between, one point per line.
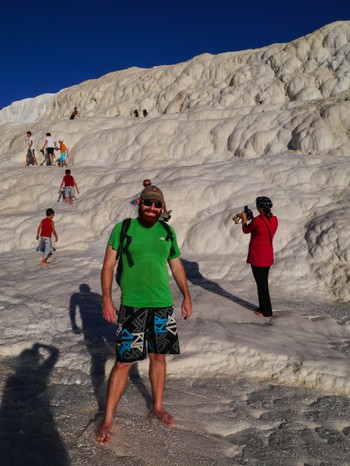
214 133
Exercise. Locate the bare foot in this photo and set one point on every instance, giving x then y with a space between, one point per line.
163 416
43 262
260 314
103 433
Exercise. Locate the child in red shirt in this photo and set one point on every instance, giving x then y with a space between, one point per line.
69 184
45 230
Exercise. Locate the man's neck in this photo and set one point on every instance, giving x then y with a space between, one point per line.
145 223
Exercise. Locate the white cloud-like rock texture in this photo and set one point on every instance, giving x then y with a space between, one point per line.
214 132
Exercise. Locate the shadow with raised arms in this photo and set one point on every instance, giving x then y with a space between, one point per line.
28 435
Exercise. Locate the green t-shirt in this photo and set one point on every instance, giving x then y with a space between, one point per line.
146 284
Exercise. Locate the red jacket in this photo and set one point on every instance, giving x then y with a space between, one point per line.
260 248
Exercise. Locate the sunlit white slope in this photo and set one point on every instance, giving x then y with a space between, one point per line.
217 132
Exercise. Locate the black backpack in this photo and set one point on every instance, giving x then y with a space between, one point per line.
121 248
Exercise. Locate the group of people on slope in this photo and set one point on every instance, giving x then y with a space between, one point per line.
46 227
48 151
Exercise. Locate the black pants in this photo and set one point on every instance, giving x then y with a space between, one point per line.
261 276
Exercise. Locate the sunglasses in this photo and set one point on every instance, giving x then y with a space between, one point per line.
149 202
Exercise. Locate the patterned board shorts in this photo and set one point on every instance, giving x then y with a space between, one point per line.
136 326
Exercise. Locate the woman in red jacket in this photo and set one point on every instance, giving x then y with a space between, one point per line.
260 255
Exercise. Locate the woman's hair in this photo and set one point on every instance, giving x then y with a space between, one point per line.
265 204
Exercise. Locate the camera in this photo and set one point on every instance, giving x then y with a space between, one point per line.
237 217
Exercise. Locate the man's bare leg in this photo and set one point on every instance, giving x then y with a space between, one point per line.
157 374
116 386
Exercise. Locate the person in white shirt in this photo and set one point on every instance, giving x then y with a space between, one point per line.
50 145
30 149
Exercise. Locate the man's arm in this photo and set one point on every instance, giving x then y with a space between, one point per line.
44 145
108 308
178 271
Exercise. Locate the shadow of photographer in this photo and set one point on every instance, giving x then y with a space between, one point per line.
28 434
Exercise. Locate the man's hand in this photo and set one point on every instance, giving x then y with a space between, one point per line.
186 308
179 275
109 311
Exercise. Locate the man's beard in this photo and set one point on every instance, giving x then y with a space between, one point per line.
148 220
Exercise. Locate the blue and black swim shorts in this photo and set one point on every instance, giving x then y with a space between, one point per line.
141 329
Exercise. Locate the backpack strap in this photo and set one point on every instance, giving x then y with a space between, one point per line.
122 237
169 236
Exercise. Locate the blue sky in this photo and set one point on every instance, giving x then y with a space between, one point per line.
47 46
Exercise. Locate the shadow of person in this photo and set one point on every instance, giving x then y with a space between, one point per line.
99 335
27 429
196 278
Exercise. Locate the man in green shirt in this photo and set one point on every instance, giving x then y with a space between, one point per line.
146 315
